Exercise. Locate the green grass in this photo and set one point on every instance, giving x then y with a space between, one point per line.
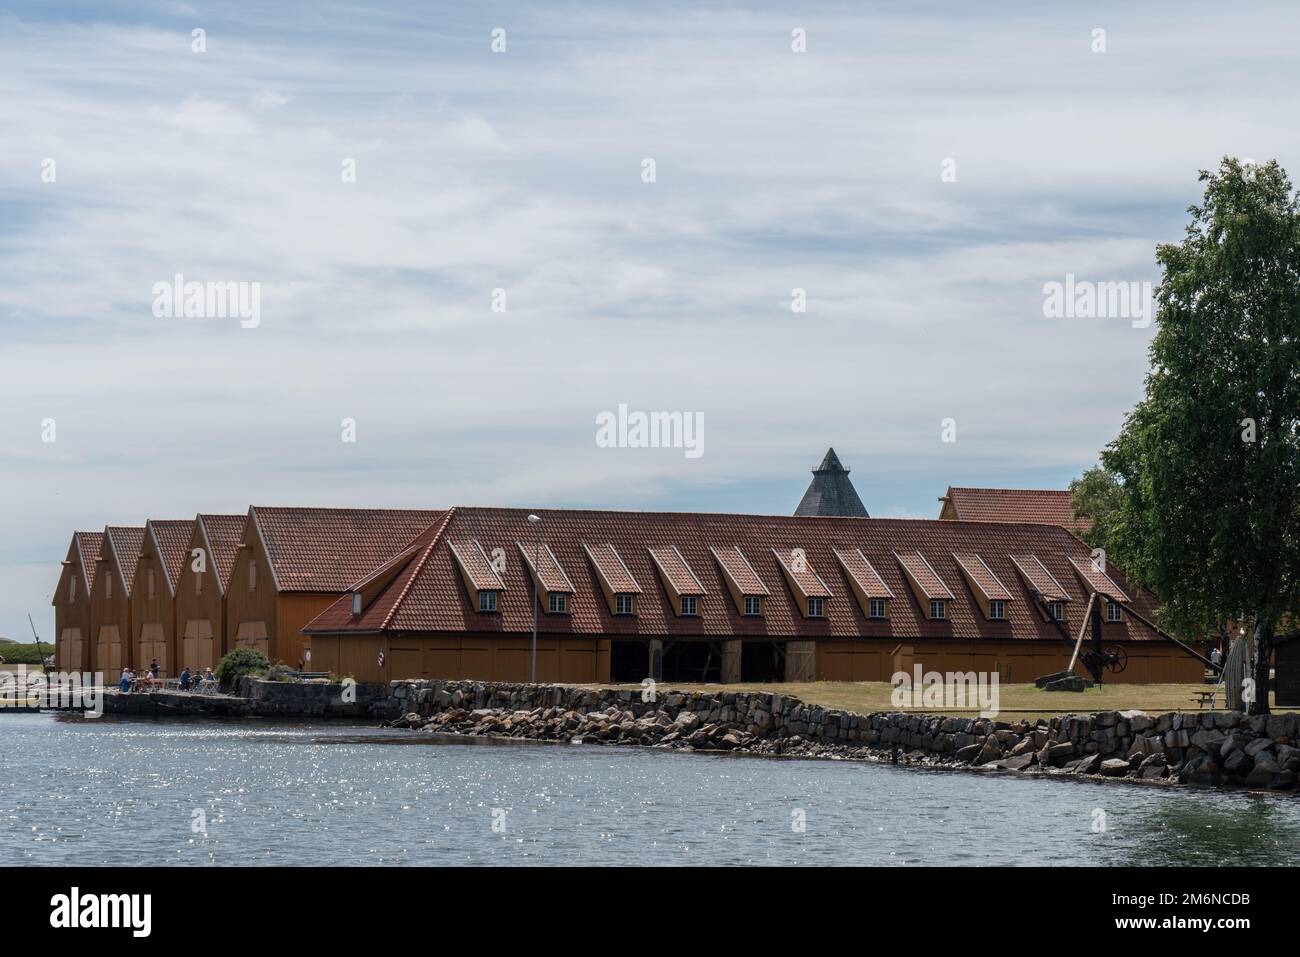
24 654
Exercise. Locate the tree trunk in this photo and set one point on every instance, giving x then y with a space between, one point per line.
1260 665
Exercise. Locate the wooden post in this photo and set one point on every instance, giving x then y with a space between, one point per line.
731 661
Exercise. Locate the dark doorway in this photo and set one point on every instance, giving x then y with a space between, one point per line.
696 661
629 662
762 661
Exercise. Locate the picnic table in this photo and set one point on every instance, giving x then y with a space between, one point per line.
1202 698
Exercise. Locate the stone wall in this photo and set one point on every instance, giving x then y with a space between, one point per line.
312 699
1206 749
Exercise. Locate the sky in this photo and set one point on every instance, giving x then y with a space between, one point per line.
920 171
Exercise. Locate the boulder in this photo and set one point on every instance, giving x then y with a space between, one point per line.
1115 767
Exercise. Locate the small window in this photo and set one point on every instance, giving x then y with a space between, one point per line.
108 585
816 608
1113 611
938 609
198 583
559 603
689 605
153 588
252 576
877 608
1055 611
487 601
623 602
356 603
753 604
72 588
997 610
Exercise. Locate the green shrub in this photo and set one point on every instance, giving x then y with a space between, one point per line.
25 654
240 662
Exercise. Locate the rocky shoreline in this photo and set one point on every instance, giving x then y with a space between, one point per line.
1210 749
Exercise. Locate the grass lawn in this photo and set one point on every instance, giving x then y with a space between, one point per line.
1016 701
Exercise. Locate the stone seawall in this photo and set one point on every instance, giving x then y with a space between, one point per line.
1209 749
256 698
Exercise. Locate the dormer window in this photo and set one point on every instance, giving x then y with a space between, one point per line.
487 601
753 605
559 603
938 609
816 608
997 611
356 603
625 604
1055 611
1114 612
690 605
879 608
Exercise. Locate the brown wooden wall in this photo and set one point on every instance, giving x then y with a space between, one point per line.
204 612
160 611
255 605
1015 661
107 613
72 616
488 657
293 611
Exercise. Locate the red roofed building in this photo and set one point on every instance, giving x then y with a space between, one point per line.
1041 506
153 600
73 625
201 590
719 597
293 563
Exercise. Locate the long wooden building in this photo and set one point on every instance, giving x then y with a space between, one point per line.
110 599
73 627
717 597
153 595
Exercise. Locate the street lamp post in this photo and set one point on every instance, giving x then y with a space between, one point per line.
535 521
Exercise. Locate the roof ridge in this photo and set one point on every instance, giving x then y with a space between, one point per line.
419 565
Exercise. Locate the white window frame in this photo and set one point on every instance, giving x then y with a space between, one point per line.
356 603
488 598
624 603
690 606
816 607
1055 611
938 609
1114 612
754 605
878 608
557 603
997 609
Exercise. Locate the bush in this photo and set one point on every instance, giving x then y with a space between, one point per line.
281 672
240 662
25 654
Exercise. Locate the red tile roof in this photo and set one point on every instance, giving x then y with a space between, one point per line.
476 565
983 576
736 567
125 542
88 547
224 534
797 568
173 538
328 549
924 574
1098 580
550 573
1046 506
1039 578
857 567
675 570
429 596
610 566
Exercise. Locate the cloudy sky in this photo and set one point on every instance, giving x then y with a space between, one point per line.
523 171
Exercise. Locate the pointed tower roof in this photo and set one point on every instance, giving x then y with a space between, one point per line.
831 492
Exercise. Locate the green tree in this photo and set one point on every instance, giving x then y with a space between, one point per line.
1096 495
1209 461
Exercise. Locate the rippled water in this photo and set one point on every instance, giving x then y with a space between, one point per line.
119 791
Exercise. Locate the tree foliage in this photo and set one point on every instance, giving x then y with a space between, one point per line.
1209 461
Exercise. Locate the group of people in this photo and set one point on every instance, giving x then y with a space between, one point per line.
190 680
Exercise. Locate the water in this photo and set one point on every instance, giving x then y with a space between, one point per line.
120 791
